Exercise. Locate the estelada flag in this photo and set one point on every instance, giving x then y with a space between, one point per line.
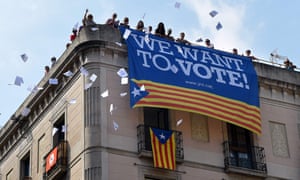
51 159
163 148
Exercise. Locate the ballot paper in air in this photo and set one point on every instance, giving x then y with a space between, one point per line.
93 77
84 71
104 94
122 73
75 27
111 108
213 13
94 28
177 5
72 101
116 126
24 57
88 85
68 73
63 128
126 33
124 80
199 40
219 26
122 94
142 88
54 130
25 112
18 81
118 43
179 122
53 81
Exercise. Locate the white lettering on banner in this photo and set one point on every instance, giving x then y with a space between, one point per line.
190 61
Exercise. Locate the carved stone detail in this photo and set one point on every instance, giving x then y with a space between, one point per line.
279 140
199 127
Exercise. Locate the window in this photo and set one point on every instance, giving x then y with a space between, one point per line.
240 143
59 131
25 166
157 118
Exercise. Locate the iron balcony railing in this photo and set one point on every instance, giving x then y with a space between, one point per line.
144 143
252 158
59 167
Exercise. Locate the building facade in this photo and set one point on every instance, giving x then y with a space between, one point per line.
73 131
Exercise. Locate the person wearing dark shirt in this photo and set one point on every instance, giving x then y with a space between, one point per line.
168 36
113 21
140 26
160 30
125 23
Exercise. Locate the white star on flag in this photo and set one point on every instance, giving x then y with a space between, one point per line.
162 136
136 92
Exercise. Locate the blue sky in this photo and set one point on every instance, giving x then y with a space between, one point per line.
42 28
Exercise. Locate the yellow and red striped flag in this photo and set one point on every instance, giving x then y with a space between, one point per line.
163 148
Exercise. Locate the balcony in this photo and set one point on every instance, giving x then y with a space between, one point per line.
144 143
56 161
27 178
251 162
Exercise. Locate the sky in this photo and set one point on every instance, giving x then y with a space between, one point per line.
41 29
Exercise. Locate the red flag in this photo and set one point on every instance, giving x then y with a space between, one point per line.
51 159
163 148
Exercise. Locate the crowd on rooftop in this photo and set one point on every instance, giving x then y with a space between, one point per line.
88 20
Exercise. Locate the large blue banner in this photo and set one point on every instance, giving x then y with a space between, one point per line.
167 74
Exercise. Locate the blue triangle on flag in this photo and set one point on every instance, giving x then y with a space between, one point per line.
162 135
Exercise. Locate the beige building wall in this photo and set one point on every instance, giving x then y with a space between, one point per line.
96 150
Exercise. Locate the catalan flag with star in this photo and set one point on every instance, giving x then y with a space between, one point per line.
196 79
163 148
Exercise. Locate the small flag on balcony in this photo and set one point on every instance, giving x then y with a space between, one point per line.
163 148
51 159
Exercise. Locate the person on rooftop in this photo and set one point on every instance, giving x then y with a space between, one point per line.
160 30
289 65
73 35
235 51
53 61
169 36
88 19
209 44
248 54
125 23
182 39
140 26
150 29
113 21
47 69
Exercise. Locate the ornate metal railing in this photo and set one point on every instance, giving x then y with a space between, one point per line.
144 143
56 161
252 158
